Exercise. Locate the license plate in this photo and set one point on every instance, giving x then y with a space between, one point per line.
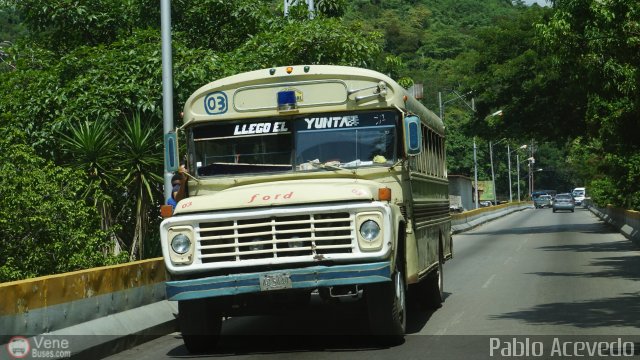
275 281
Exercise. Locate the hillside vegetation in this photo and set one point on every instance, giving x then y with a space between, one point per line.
81 102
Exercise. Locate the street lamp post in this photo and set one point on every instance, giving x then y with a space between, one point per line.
167 83
493 176
471 106
517 162
475 172
518 166
530 162
509 169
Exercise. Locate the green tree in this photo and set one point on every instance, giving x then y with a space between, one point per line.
599 41
141 160
65 24
91 149
11 26
46 227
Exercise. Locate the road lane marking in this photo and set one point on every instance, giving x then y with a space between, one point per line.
456 319
522 244
486 285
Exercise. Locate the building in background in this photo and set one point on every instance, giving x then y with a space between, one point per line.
461 193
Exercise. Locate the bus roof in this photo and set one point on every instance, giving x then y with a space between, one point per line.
326 88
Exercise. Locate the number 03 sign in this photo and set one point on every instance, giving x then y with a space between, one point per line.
216 103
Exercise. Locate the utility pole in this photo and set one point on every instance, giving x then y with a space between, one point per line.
167 84
475 172
289 3
518 173
509 161
531 163
493 176
459 96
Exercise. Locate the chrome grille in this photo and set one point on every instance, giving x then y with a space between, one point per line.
276 237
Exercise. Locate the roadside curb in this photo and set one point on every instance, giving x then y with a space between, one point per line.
112 334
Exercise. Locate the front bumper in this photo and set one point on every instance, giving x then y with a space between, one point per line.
301 278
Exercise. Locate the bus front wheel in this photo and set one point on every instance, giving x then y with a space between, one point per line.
386 307
200 324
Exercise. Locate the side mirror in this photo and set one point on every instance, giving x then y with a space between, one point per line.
412 135
171 162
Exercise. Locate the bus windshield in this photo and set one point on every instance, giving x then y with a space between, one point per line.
305 143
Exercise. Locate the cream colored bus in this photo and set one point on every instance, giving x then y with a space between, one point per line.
307 180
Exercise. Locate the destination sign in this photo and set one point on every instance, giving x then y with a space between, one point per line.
301 123
338 121
244 128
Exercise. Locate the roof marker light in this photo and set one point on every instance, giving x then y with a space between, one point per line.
272 71
289 69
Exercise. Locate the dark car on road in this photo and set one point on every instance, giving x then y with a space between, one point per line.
564 202
543 201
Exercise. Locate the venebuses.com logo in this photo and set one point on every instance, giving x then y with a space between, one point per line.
40 346
18 347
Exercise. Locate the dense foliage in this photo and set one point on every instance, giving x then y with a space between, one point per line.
81 101
83 89
46 226
597 44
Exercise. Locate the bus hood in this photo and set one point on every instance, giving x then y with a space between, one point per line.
281 193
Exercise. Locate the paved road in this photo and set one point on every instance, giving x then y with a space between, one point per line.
533 272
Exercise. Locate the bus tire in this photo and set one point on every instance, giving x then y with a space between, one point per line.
434 285
200 324
386 308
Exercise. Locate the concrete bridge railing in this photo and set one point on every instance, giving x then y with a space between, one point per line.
470 219
625 221
93 308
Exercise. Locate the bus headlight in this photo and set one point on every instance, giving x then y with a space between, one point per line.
369 230
369 227
180 244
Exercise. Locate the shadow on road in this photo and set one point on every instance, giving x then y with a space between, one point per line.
623 311
614 246
586 228
625 266
279 344
619 267
333 327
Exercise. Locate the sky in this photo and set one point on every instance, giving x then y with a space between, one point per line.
539 2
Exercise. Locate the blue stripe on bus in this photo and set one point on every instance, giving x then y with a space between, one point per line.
302 278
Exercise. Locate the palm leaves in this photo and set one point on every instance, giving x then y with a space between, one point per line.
92 147
122 167
141 160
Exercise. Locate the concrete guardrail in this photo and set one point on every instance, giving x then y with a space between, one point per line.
91 310
626 222
470 219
